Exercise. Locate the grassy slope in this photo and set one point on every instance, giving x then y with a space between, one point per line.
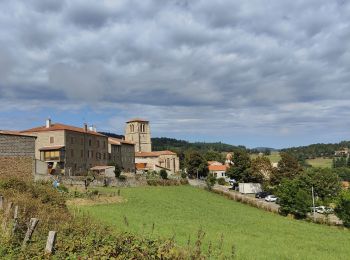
320 162
256 234
274 156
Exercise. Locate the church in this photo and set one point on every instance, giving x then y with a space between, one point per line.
138 131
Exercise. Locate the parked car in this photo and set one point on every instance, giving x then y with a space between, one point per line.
232 182
324 210
261 195
271 198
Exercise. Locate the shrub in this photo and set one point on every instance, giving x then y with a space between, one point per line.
117 171
183 175
163 174
221 181
210 181
342 209
122 178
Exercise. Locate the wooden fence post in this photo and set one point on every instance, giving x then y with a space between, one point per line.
6 216
1 203
50 243
15 220
32 225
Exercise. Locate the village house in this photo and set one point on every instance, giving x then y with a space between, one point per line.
219 171
121 152
68 149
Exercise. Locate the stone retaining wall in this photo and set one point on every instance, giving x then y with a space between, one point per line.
20 167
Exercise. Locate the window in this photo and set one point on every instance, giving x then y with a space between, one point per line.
72 152
81 153
104 156
92 154
72 140
52 139
81 141
104 144
51 155
98 143
89 142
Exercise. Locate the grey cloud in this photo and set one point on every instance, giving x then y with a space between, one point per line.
249 57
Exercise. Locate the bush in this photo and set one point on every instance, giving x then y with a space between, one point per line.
221 181
122 178
117 171
163 174
210 181
183 175
342 209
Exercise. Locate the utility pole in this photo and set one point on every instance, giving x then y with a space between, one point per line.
313 201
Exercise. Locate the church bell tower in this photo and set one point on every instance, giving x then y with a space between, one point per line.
138 131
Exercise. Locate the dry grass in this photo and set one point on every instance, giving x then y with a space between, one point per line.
100 200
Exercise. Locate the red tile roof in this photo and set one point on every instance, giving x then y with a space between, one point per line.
214 162
58 127
137 120
153 154
18 133
217 167
117 141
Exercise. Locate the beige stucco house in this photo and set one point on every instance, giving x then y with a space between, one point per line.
69 149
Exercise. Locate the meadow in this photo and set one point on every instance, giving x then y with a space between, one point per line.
320 162
274 157
181 211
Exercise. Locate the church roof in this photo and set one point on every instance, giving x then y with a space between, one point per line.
137 120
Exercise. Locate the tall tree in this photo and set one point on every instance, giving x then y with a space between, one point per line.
240 169
288 167
195 163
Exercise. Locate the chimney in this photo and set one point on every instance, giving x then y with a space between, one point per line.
85 127
48 123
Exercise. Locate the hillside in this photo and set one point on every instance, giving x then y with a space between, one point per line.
181 212
179 146
316 150
164 143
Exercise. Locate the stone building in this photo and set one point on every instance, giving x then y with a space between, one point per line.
138 131
158 160
68 149
17 153
121 152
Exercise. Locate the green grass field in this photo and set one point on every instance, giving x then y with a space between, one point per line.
320 162
274 157
180 211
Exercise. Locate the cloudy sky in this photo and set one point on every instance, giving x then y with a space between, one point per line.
257 73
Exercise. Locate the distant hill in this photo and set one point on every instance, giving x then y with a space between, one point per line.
112 135
263 149
179 146
316 150
164 143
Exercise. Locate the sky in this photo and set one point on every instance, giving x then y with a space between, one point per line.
254 73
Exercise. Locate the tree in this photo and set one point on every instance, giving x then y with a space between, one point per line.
240 168
261 169
326 183
210 181
288 167
212 155
342 209
163 174
195 163
293 199
117 171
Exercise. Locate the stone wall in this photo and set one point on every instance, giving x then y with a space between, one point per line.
19 167
17 145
